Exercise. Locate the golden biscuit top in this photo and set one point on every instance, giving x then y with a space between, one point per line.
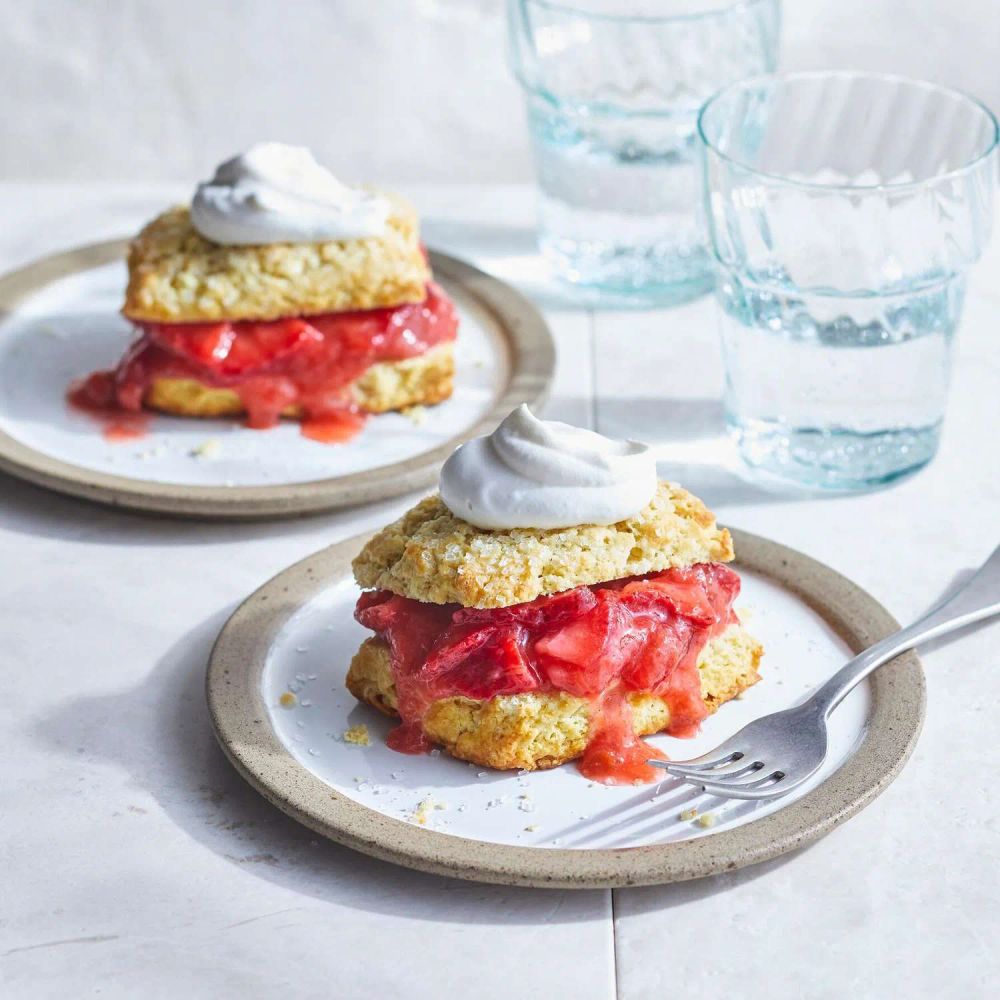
178 276
432 556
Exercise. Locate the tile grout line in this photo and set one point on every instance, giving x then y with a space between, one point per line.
614 946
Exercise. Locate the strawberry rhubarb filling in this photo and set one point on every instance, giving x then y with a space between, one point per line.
307 363
601 643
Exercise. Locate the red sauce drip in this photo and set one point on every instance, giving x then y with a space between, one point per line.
304 362
600 642
95 396
336 428
615 755
408 738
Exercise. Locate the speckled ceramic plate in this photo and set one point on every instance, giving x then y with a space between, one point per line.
59 320
296 634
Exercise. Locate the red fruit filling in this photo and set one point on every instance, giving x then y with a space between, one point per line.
302 361
599 642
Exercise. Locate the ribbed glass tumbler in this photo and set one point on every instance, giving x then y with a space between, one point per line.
613 89
844 212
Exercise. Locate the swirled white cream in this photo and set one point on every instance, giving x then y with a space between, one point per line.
275 193
532 473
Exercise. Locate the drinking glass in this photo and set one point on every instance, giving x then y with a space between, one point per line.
844 211
613 89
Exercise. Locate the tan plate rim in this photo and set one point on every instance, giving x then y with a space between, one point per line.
241 722
532 366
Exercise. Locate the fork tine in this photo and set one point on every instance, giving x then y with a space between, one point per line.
767 774
774 783
698 764
738 768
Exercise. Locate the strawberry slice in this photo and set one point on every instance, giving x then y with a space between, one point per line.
496 668
234 349
355 332
543 612
584 655
376 609
409 627
696 593
206 344
454 650
665 645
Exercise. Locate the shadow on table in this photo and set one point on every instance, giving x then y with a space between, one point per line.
689 439
692 447
184 770
186 773
31 510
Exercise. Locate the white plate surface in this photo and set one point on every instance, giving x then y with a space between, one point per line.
557 808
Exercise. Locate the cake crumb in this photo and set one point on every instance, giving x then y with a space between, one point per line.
288 700
415 414
688 815
358 735
209 448
419 815
706 820
531 829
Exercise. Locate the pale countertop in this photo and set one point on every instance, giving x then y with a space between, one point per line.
137 863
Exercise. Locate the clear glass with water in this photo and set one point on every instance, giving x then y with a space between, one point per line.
844 211
613 89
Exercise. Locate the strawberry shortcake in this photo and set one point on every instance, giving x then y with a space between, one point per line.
553 602
280 292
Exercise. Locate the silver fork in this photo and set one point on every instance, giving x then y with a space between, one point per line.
772 755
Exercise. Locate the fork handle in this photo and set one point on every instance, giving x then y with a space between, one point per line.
978 599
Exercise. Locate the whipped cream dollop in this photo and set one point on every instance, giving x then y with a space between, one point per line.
275 193
532 473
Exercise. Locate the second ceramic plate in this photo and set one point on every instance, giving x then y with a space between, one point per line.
59 320
297 635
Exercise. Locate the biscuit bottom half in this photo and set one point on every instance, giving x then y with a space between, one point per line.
540 730
388 385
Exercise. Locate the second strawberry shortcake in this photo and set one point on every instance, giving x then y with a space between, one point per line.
554 602
280 292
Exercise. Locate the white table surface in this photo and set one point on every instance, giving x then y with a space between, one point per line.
137 863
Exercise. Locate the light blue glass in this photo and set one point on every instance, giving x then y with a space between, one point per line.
613 89
844 211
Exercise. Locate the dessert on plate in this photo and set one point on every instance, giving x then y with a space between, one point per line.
281 292
553 602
